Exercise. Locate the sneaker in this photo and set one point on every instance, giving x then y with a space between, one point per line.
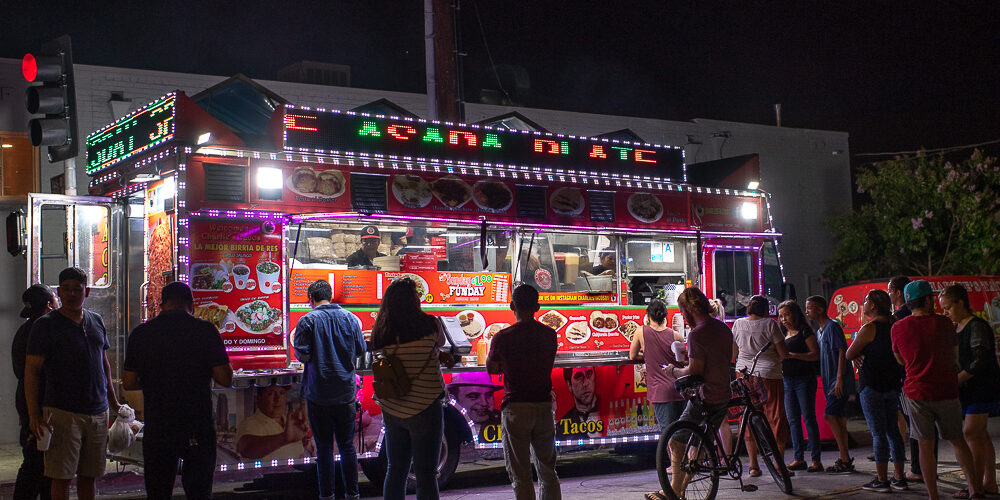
899 484
879 486
841 467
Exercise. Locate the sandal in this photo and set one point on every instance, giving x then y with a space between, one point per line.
962 494
755 472
655 495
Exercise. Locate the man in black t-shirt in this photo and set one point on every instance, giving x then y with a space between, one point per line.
173 358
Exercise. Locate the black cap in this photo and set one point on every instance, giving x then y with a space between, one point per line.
369 232
35 299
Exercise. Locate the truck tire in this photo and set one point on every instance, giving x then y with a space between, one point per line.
375 468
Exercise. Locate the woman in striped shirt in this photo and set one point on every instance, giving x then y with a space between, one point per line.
413 423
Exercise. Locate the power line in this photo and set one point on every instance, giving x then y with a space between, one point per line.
938 150
493 66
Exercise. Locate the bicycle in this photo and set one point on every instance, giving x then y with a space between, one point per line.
697 444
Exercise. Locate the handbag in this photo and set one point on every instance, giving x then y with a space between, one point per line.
390 378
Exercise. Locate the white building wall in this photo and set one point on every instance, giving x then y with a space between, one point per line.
806 171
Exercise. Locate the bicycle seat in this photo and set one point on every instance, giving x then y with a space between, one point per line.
688 382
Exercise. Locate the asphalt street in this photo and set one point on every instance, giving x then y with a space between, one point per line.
587 475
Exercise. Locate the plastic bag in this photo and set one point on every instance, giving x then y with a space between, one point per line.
122 433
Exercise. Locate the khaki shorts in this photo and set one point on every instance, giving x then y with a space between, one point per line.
924 415
79 444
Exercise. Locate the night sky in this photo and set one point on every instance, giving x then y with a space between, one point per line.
895 75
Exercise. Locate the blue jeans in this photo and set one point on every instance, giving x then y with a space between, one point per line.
880 410
800 403
417 438
667 413
329 422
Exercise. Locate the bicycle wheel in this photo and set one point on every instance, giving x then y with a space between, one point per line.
697 472
768 448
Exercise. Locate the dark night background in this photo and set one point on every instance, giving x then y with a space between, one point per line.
895 75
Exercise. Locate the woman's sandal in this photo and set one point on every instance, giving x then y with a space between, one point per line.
755 472
964 493
655 495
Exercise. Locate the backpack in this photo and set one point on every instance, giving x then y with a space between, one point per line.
390 378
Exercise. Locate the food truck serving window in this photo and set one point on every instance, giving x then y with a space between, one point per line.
568 262
733 282
654 263
449 263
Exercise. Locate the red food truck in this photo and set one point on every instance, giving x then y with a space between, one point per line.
599 226
984 298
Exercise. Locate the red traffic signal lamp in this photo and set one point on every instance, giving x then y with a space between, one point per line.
54 96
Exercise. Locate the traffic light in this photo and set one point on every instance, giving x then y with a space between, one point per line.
54 96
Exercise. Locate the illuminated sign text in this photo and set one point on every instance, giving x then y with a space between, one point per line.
402 138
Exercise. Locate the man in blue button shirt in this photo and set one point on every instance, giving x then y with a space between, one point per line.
328 340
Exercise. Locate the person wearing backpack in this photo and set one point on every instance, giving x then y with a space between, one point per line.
409 388
327 341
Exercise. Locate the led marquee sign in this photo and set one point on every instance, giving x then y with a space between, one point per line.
407 138
136 132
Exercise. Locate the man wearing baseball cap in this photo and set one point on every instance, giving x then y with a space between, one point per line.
370 239
38 300
926 345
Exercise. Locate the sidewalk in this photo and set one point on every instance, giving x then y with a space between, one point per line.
596 475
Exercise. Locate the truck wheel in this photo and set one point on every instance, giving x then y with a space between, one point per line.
375 468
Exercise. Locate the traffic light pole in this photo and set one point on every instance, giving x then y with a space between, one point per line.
70 175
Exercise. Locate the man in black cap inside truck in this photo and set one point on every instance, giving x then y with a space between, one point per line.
370 240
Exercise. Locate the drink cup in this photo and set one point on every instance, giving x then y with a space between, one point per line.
241 274
482 350
44 438
680 350
267 276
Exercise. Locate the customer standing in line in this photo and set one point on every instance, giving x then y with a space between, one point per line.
173 358
895 290
524 354
799 372
878 377
837 376
414 423
710 346
978 380
31 481
67 349
652 345
750 334
328 340
925 344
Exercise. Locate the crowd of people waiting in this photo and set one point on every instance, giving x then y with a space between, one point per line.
930 369
915 369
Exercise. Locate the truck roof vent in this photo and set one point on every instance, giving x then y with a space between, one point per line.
368 193
225 183
602 206
531 201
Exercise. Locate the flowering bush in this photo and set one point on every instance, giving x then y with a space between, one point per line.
922 215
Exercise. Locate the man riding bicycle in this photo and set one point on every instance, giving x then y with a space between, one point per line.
709 348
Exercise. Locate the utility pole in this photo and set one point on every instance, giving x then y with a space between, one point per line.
443 96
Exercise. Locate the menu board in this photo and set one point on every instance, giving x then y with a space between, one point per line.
367 287
236 280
